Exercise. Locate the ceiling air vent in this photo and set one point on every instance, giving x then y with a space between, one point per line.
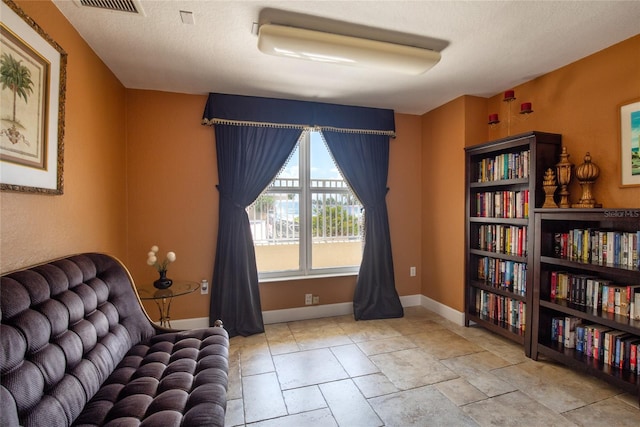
131 6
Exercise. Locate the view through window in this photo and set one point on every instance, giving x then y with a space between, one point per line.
308 221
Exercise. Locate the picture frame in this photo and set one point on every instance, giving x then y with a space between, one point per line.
33 86
629 131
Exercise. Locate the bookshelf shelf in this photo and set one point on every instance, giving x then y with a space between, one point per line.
499 328
523 182
508 221
599 294
497 255
503 292
504 184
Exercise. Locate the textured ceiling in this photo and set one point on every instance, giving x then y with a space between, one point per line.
486 46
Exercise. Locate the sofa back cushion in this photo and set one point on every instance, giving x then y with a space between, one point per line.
65 327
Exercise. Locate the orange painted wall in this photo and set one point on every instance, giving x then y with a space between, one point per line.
91 214
578 101
173 202
172 199
445 132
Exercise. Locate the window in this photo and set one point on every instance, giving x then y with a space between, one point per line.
308 221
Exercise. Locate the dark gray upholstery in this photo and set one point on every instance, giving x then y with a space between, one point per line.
78 349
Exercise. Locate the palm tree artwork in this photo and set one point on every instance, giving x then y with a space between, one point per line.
15 77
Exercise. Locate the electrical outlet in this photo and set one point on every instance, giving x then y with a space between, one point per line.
316 299
204 287
412 271
308 299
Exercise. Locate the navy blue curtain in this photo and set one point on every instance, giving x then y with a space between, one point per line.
254 137
364 162
249 158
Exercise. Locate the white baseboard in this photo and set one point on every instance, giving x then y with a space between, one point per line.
445 311
330 310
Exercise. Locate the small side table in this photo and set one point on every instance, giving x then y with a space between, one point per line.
163 297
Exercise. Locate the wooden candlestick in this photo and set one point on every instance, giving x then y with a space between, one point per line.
563 168
549 186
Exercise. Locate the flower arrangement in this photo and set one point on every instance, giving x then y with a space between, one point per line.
152 259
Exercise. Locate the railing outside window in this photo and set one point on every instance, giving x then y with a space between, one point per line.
336 215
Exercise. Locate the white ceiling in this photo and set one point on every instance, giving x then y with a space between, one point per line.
489 46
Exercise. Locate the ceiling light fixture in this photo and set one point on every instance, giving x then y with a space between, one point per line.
324 47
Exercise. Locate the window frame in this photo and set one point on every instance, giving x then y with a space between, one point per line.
305 241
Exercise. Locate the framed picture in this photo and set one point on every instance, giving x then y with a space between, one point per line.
630 143
32 91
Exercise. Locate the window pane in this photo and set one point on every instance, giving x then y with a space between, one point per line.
275 221
336 220
308 221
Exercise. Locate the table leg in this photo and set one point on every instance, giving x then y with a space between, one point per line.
164 305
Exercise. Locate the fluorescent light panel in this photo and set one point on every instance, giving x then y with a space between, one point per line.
319 46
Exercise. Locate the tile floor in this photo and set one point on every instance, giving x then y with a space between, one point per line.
420 370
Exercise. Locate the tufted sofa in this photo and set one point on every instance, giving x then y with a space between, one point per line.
79 349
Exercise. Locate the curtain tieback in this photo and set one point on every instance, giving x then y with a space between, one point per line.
226 196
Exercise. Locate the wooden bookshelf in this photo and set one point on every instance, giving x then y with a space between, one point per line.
503 186
583 263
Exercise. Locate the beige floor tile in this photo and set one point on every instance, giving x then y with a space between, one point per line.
348 405
320 336
284 346
477 369
414 326
460 391
256 359
367 330
470 364
375 385
308 368
386 345
235 413
420 407
489 384
304 399
444 344
629 399
317 418
354 361
411 368
608 412
280 339
234 385
514 409
584 387
262 397
558 399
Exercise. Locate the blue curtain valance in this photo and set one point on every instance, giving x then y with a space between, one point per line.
257 111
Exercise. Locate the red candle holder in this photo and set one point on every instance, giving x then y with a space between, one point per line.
525 108
493 119
509 95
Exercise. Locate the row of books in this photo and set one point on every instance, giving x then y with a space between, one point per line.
507 275
502 204
507 311
504 239
504 166
610 346
603 247
598 295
